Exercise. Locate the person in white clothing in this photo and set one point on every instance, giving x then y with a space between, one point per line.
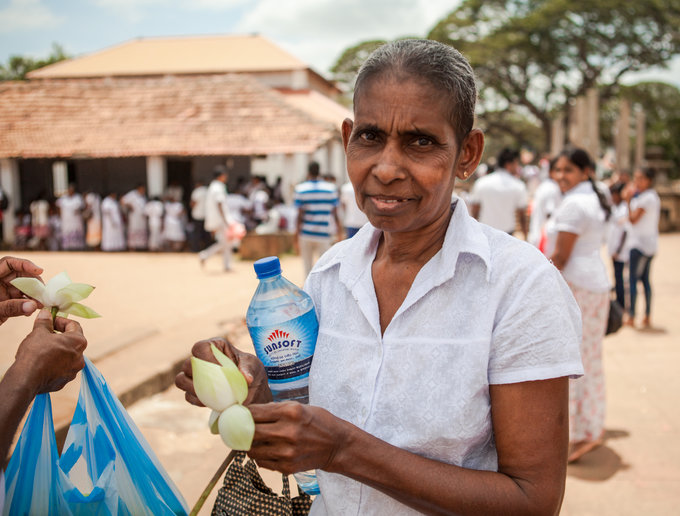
154 213
173 227
618 240
40 222
440 377
644 208
113 228
577 229
217 219
71 206
93 220
499 199
200 238
133 203
352 217
546 199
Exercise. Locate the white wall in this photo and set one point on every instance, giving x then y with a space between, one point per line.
9 179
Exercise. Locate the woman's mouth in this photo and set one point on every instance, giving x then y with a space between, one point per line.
386 203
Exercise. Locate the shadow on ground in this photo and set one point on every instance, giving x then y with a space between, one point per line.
602 463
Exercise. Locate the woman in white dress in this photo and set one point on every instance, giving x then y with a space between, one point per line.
173 228
577 229
71 206
133 202
154 214
113 229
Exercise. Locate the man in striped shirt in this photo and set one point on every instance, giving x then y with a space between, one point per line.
317 220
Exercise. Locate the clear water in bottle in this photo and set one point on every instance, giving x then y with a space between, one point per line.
283 326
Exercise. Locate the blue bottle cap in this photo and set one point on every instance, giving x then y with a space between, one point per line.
267 267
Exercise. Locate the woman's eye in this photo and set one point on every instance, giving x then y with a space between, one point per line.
423 141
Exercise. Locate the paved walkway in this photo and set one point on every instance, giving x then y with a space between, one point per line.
156 306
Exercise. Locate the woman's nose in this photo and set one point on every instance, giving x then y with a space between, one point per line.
390 165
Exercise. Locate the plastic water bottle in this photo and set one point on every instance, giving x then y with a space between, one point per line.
283 326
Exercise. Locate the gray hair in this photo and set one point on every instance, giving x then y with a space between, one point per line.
441 66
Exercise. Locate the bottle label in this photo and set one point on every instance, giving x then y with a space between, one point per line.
286 349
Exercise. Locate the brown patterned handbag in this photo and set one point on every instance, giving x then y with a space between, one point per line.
244 493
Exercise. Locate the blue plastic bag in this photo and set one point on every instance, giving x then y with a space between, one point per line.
106 467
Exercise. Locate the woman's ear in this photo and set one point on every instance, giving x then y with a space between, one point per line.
347 126
470 154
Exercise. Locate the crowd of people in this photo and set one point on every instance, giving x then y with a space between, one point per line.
77 221
572 215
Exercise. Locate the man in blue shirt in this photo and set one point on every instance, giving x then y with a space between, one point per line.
317 221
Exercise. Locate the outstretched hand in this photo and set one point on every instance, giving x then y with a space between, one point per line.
249 365
12 302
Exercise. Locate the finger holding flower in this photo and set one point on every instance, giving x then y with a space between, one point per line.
12 301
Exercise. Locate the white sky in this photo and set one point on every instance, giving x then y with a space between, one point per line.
315 31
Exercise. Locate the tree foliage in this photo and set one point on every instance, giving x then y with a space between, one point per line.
536 55
345 68
18 66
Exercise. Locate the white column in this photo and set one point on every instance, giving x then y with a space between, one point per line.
59 178
156 177
9 179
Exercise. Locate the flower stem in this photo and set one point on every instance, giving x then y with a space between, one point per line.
54 311
211 484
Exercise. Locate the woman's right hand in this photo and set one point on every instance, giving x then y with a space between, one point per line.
249 365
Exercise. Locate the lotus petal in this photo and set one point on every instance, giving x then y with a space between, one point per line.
212 422
235 377
73 293
53 286
32 287
81 311
237 427
211 385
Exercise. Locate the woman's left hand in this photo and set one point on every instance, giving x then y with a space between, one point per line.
291 437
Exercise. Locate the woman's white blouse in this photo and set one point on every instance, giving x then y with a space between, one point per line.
644 234
580 213
486 309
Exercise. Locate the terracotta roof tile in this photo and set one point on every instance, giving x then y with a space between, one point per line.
188 115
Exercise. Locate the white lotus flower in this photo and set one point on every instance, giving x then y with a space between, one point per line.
60 295
223 388
237 427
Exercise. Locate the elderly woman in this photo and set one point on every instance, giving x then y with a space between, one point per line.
578 230
439 382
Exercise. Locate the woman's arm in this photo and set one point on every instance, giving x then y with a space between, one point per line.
635 215
530 422
564 245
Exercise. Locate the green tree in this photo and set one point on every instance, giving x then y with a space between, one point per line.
18 66
537 55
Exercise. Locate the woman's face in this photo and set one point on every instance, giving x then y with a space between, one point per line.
567 174
641 181
402 154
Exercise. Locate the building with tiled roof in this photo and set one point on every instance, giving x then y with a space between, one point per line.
167 110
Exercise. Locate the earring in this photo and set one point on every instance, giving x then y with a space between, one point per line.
466 174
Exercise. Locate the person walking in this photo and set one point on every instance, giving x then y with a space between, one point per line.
317 202
217 219
173 227
644 209
499 199
577 230
618 241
